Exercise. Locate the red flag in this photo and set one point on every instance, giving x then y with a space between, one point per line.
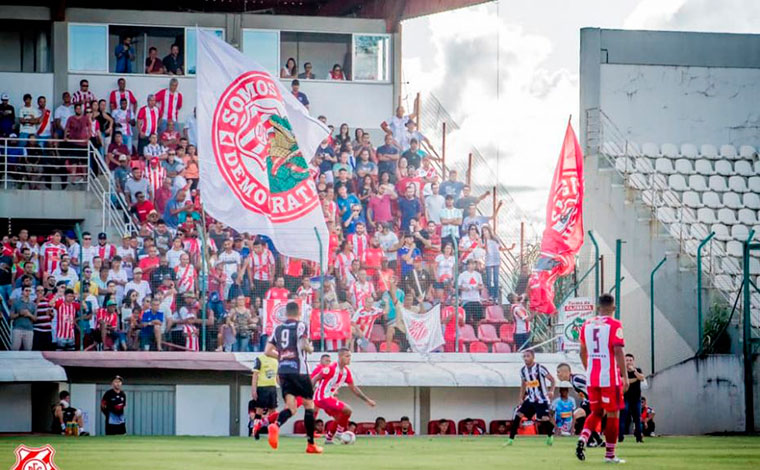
365 319
563 235
275 312
337 325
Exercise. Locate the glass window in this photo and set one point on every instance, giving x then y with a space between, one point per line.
129 47
264 47
191 46
87 48
371 57
321 53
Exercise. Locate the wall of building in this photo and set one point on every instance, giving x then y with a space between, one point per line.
202 410
661 103
16 412
85 398
69 205
16 84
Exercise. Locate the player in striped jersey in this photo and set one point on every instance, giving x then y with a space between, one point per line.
328 380
578 381
535 397
65 314
603 355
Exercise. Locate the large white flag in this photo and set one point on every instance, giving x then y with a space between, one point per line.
423 330
255 142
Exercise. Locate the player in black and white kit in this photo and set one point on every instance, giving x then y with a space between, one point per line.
290 344
535 397
565 373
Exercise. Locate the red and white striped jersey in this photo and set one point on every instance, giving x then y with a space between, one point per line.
365 318
169 103
360 244
45 127
343 263
106 252
333 377
307 294
149 118
262 265
600 335
185 276
191 337
193 247
114 99
361 293
109 319
293 267
82 97
65 317
156 175
51 255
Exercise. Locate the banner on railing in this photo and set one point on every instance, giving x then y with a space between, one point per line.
423 330
337 325
274 313
563 235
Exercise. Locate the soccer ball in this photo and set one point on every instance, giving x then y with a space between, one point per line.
348 438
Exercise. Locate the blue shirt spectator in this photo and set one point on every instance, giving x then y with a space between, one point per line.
300 96
392 308
407 267
344 202
451 187
124 56
147 317
409 208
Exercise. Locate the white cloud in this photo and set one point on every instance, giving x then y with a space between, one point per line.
734 16
529 120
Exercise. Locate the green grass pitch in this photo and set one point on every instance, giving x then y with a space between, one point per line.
529 453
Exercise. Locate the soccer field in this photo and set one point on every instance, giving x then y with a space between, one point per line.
180 453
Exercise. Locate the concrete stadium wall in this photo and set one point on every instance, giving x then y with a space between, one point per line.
16 412
67 205
202 410
700 396
16 84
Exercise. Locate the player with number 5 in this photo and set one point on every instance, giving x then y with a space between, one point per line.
603 356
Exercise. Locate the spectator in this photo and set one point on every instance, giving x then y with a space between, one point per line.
388 156
229 261
118 152
7 116
381 427
112 405
105 123
192 170
443 427
169 102
417 281
138 285
467 200
413 155
173 63
43 327
290 69
295 85
522 318
452 187
61 115
471 429
434 204
153 65
647 418
564 408
451 219
22 317
404 427
632 398
190 129
125 55
379 208
492 261
389 242
472 218
170 137
107 324
336 73
469 283
151 326
65 316
28 118
409 207
245 323
44 122
147 122
411 133
64 272
407 253
137 184
396 125
307 74
344 135
122 93
365 167
172 164
83 95
65 415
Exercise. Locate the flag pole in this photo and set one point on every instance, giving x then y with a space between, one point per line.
78 232
203 277
321 293
456 295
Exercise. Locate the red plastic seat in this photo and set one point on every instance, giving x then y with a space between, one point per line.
364 428
377 334
502 348
493 426
478 347
370 348
487 333
433 427
495 314
478 423
394 347
299 427
467 334
507 332
392 426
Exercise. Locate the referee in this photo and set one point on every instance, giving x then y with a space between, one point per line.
263 392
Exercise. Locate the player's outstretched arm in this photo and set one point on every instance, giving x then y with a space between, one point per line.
271 351
358 392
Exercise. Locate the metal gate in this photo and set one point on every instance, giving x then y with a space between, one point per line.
150 410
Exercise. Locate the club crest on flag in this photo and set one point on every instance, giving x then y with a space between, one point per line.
33 458
418 330
251 135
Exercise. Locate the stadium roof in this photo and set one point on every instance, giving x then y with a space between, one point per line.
392 11
29 366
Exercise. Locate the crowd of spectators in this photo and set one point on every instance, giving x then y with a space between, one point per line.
290 70
171 64
392 222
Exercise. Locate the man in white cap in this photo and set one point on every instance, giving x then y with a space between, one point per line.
7 116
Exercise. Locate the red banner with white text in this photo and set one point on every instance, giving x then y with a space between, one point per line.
275 312
563 235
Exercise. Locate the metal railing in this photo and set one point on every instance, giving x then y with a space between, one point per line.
5 326
73 165
512 229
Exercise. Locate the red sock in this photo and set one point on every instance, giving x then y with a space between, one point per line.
611 436
592 421
342 422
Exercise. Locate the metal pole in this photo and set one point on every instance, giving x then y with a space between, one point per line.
456 295
618 250
6 164
493 209
699 290
749 399
522 244
417 107
321 294
204 278
78 231
443 152
469 169
596 265
651 309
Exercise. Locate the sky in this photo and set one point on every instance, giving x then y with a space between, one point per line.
453 55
